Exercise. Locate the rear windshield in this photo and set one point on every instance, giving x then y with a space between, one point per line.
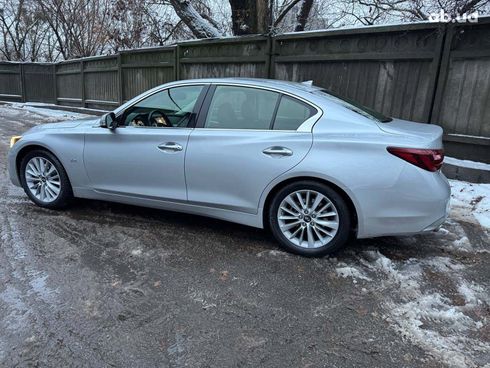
354 106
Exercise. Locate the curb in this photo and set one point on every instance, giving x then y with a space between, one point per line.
81 110
465 173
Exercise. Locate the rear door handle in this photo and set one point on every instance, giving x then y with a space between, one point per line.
170 147
277 151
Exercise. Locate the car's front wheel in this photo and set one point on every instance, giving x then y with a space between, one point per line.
309 218
44 180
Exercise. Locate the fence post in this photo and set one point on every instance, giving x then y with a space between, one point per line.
272 46
22 82
442 72
55 85
177 62
120 79
269 59
82 82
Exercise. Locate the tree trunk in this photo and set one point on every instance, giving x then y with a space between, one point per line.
263 16
200 27
249 16
303 14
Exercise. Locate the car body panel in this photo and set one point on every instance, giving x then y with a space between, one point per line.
224 174
236 157
127 161
66 142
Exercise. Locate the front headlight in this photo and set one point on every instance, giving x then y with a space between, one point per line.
14 140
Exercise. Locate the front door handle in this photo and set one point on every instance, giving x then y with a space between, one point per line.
277 151
170 147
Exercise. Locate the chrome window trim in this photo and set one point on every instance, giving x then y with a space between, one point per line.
306 126
151 92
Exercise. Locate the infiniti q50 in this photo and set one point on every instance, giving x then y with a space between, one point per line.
313 168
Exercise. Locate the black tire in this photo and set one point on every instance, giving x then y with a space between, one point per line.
344 218
66 193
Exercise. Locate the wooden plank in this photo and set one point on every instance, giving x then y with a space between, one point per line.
407 27
163 64
68 72
8 72
22 82
462 138
120 80
82 82
101 70
355 56
55 83
470 54
442 74
223 60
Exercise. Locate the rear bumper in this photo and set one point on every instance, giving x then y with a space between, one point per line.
418 202
437 224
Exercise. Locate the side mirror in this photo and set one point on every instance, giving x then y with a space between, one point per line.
109 121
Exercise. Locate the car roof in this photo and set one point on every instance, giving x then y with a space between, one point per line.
261 82
294 88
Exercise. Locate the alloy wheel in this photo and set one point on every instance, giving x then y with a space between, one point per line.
42 179
308 219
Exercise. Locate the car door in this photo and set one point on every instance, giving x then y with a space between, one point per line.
144 156
244 139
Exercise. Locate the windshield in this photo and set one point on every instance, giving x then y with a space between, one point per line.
354 106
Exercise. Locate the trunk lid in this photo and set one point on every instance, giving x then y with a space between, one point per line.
424 135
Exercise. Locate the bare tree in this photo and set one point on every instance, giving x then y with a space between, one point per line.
22 30
303 15
369 12
79 26
247 16
199 26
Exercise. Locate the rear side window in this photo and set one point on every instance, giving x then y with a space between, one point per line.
354 106
292 113
241 108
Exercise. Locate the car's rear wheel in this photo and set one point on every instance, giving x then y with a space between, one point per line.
309 218
44 180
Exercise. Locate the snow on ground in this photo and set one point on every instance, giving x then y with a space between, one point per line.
346 271
40 113
425 316
470 201
447 322
430 297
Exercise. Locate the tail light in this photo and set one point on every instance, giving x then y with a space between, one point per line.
427 159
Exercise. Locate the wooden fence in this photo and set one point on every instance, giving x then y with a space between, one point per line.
426 72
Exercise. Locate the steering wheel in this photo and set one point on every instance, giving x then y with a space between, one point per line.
157 118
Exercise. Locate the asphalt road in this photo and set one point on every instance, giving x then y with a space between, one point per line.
104 284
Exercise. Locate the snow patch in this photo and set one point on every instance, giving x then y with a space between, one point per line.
427 318
352 272
273 253
470 200
43 112
136 252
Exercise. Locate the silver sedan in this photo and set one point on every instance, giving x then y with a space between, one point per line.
312 167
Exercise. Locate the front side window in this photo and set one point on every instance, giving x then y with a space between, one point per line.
241 108
172 107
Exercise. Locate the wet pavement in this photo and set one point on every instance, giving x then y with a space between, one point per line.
104 284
